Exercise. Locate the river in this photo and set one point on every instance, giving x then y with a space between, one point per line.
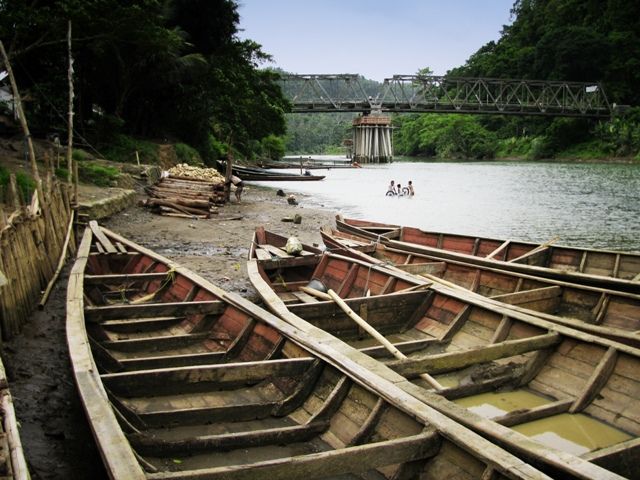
585 204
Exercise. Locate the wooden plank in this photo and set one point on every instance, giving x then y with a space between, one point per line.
262 254
241 338
305 297
110 312
140 324
120 278
457 323
152 343
324 464
171 361
333 401
180 379
347 283
369 425
503 329
275 250
158 447
273 263
530 414
504 245
102 238
527 296
445 362
598 379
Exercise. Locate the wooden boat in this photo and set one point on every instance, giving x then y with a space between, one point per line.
261 174
607 313
12 461
602 268
529 384
180 379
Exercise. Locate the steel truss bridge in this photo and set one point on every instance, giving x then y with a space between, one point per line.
441 94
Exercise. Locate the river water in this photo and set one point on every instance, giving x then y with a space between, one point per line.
585 204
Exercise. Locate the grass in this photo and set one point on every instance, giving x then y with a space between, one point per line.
124 149
26 184
97 174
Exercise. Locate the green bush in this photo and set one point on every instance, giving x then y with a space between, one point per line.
26 184
97 174
62 173
124 148
187 154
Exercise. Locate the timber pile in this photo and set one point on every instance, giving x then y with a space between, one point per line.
186 197
32 238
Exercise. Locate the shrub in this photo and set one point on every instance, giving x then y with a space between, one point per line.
124 148
97 174
187 154
26 184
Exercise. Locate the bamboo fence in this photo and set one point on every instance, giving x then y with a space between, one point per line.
32 239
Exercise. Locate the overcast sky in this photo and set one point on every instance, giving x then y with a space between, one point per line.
374 38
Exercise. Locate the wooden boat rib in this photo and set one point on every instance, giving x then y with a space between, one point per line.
475 349
12 461
602 268
180 379
607 313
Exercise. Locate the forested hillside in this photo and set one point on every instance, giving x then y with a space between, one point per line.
573 40
160 69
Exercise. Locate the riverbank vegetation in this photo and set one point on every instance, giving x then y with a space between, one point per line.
596 41
170 71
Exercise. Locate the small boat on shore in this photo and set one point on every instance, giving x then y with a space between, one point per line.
607 313
542 390
602 268
180 379
260 174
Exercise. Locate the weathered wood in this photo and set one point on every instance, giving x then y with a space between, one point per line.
333 401
368 426
102 238
378 337
598 379
183 379
123 278
444 362
324 464
530 414
110 312
499 249
276 251
153 446
528 296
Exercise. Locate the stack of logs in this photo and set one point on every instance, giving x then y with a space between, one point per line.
185 197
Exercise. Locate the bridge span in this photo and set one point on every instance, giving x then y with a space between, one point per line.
372 132
443 94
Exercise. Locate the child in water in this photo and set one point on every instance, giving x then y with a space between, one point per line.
391 190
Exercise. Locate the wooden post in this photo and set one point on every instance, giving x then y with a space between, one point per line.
23 121
72 172
228 173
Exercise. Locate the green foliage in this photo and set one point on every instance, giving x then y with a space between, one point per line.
622 133
79 155
272 147
317 133
187 154
123 149
145 68
99 175
26 184
444 136
62 173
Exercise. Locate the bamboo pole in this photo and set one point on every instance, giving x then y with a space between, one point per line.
70 114
379 337
63 256
23 120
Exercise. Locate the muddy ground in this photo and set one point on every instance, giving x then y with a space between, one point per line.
55 435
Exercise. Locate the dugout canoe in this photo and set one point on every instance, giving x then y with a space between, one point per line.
602 268
607 313
531 385
180 379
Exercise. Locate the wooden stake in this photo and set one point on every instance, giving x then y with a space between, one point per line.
70 166
379 337
23 120
63 256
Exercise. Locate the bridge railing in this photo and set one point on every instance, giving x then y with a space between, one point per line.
441 94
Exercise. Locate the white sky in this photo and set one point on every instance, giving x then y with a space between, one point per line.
373 38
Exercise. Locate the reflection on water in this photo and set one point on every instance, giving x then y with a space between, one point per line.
585 204
496 404
574 433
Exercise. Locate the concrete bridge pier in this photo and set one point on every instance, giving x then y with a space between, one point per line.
372 139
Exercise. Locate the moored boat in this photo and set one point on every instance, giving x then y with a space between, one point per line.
602 268
180 379
536 387
608 313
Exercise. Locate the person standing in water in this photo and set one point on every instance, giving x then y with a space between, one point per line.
410 188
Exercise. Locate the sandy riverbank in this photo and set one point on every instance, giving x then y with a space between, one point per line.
56 437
